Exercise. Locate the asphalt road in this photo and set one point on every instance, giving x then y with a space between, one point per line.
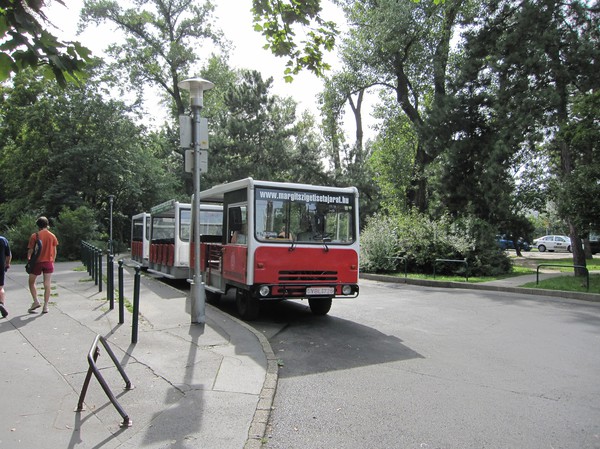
404 366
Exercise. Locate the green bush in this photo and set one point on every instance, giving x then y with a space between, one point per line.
377 253
18 235
73 227
482 252
422 240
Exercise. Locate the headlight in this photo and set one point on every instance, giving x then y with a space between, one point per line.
264 291
347 289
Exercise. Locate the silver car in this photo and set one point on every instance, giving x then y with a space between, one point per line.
553 243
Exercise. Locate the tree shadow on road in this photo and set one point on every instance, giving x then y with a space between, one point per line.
306 343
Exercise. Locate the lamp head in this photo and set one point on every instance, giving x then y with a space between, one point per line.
196 88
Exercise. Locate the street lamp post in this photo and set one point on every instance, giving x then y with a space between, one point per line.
196 87
110 242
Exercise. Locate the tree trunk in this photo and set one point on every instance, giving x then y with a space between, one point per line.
578 253
357 111
566 160
587 250
416 193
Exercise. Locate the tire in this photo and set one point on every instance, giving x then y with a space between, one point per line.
248 307
569 249
541 248
320 306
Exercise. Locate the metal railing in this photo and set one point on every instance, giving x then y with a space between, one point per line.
587 272
462 261
93 369
91 257
402 258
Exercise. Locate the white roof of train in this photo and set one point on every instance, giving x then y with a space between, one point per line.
216 193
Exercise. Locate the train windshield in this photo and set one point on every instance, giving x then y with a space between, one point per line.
304 216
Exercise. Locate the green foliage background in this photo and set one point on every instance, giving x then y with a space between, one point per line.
486 111
389 240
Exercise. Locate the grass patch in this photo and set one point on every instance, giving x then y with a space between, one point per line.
128 305
591 264
517 271
440 277
41 290
524 266
568 283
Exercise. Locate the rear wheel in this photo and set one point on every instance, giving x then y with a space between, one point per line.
541 248
248 307
569 249
320 306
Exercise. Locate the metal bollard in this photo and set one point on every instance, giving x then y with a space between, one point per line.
110 281
136 305
95 265
83 255
100 270
121 296
88 257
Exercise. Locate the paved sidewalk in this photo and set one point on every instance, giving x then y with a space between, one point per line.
195 386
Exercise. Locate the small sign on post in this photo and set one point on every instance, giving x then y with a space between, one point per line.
185 131
189 161
203 133
185 141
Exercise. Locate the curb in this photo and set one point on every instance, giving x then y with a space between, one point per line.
258 427
592 297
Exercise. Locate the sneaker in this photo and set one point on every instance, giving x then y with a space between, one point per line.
3 311
34 306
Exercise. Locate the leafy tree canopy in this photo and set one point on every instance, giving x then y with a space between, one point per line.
296 30
25 42
278 22
161 42
256 134
72 147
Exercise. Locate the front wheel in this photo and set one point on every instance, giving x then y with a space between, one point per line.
320 306
569 249
541 248
248 307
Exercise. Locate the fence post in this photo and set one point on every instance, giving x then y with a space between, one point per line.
110 283
136 305
121 298
99 270
94 259
88 253
587 272
83 255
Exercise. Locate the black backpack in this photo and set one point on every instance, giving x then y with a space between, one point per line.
37 249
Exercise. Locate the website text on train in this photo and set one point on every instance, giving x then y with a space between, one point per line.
282 241
169 235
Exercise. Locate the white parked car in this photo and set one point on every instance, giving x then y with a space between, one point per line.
552 243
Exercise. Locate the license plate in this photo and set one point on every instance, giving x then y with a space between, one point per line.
312 291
